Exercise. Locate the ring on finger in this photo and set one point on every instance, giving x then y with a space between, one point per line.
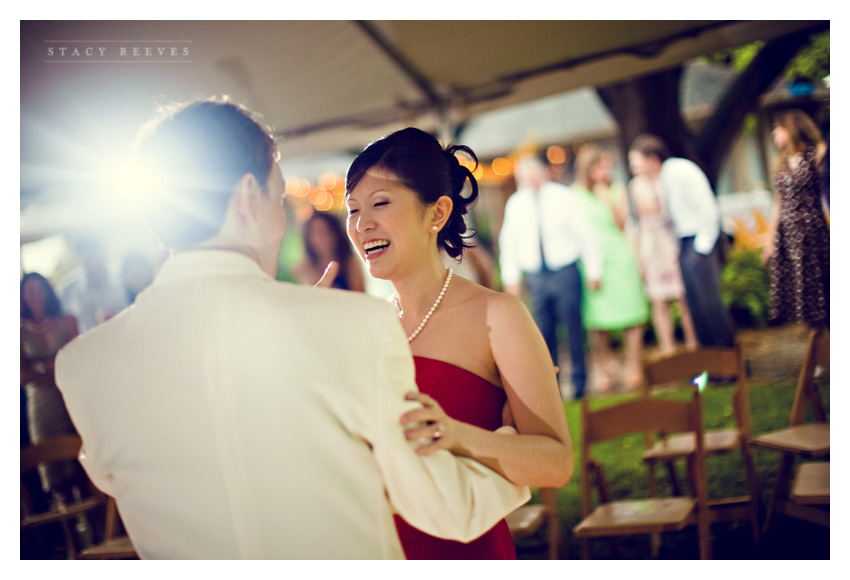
438 430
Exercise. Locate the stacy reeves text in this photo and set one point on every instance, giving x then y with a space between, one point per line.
118 51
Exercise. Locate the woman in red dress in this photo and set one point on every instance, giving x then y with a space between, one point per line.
482 365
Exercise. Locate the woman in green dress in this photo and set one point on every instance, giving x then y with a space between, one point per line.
620 302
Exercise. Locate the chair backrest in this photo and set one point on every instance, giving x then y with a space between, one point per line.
113 524
644 414
48 450
684 365
817 354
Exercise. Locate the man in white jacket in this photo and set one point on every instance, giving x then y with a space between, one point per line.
234 416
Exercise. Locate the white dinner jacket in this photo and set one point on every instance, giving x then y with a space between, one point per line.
234 416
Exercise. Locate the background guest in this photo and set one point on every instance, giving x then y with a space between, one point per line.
476 264
325 240
92 295
695 215
44 330
658 256
136 274
619 303
543 236
798 243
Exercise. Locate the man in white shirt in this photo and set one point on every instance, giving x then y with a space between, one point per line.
235 416
544 234
696 221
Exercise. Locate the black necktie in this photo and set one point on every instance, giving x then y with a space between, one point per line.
543 266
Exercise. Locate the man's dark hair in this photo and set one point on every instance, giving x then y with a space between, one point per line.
191 157
651 145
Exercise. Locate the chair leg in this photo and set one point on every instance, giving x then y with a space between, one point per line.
69 540
783 474
704 533
650 472
654 539
554 538
755 492
585 549
674 480
655 545
691 473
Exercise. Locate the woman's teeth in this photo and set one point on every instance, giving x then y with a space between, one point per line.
375 246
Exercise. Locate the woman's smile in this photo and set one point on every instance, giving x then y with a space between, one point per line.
375 248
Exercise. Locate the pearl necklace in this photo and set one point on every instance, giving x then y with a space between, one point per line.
430 312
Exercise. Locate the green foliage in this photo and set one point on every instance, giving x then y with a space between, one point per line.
813 60
739 57
745 286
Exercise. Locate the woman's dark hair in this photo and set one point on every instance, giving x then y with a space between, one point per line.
194 155
651 145
421 164
342 247
52 306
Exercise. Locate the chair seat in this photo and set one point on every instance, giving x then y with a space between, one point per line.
809 439
118 548
811 483
526 520
644 516
684 444
67 511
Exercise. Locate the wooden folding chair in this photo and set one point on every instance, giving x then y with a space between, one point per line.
801 439
682 367
643 516
811 486
116 544
63 514
528 521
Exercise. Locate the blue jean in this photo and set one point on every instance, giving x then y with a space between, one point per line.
556 297
701 276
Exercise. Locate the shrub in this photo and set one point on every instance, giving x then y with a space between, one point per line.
745 287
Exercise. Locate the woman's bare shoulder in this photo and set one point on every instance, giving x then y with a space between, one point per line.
503 303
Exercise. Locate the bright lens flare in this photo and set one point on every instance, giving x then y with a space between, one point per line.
128 181
701 381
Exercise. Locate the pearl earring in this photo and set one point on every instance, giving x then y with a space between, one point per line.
434 228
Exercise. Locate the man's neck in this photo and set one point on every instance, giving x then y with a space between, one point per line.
267 262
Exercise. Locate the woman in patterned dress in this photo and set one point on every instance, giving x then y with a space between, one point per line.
798 245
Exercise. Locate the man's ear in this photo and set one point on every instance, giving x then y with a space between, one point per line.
442 211
244 197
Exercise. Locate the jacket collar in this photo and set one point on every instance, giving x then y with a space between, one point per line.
205 262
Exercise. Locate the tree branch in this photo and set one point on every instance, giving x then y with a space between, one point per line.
713 141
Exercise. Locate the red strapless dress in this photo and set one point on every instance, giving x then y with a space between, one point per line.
466 397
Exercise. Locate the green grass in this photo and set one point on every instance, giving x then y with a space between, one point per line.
626 475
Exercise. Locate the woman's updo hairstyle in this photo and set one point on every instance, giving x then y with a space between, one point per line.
420 163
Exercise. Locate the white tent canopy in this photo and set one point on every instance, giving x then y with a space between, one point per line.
324 86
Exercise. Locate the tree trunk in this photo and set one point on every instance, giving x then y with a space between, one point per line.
650 104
